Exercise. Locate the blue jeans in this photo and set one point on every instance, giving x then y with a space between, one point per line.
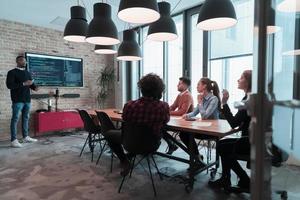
16 109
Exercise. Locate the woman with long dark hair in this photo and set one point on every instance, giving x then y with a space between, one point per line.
208 106
231 147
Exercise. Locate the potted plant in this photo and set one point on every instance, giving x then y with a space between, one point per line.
105 84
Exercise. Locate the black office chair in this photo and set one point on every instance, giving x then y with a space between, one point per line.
106 126
94 132
139 139
276 162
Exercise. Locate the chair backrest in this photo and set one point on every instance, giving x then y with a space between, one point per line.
139 138
105 121
88 122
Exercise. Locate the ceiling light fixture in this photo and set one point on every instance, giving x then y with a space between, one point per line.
102 30
163 29
296 47
271 27
129 49
216 15
138 11
289 6
77 26
105 49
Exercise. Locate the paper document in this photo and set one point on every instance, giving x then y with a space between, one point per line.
203 124
176 117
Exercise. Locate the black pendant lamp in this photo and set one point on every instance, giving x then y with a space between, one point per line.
138 11
289 6
129 49
296 47
77 26
271 27
102 29
164 29
105 49
216 15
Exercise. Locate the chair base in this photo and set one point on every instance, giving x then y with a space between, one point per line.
132 163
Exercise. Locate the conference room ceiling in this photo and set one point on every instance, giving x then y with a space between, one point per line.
54 14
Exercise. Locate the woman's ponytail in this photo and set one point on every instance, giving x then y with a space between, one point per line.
216 91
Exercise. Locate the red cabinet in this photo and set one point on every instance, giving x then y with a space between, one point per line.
56 121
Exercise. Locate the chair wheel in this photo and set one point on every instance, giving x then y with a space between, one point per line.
284 195
213 173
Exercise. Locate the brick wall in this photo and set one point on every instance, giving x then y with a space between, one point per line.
17 38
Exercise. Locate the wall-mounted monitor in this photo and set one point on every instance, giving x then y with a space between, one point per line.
58 71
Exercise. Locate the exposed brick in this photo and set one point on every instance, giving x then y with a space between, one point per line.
17 38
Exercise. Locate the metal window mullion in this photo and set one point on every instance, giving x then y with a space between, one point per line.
166 69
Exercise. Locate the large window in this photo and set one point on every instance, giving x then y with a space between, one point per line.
196 53
226 72
285 62
196 45
152 55
237 40
174 61
164 59
231 51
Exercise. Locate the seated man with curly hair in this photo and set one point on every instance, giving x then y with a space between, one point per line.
148 109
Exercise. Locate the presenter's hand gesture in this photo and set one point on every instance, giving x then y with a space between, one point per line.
36 89
28 83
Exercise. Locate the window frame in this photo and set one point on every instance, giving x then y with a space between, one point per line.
186 54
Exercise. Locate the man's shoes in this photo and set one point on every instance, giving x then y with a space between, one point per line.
29 139
244 183
16 144
236 189
172 148
243 186
220 183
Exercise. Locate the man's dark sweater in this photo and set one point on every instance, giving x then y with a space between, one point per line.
14 82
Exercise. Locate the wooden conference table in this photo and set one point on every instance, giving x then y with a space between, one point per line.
211 129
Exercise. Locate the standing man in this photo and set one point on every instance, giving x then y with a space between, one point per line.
19 81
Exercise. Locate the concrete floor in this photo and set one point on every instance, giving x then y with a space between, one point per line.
52 169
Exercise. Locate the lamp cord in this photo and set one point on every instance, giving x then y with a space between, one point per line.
176 6
87 11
